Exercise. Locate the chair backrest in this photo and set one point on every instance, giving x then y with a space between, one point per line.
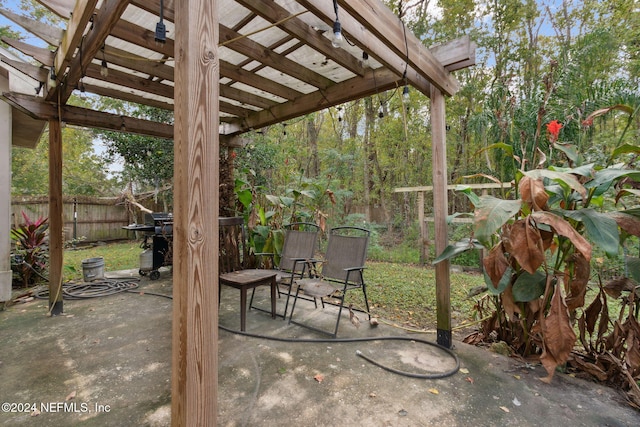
299 242
347 248
233 244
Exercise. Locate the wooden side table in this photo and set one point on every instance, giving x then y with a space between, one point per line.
249 279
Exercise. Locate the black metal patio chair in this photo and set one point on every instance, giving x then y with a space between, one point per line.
300 244
341 271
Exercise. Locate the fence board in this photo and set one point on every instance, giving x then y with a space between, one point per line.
95 219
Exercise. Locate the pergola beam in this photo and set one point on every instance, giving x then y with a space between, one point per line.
103 23
391 31
40 109
349 90
362 36
273 12
72 37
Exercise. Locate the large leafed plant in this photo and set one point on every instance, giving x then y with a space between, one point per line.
540 242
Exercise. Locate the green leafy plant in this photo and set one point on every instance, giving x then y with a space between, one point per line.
538 268
32 249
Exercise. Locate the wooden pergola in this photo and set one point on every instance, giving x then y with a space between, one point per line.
225 67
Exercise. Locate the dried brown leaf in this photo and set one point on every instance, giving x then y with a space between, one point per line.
563 228
632 355
509 304
533 193
557 334
592 313
578 272
70 396
615 287
319 377
589 368
526 245
355 320
495 264
628 223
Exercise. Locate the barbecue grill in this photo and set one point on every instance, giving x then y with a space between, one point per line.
158 240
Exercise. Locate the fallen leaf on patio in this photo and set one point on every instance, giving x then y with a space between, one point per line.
70 396
469 379
373 321
35 412
403 413
352 316
372 394
505 409
464 370
433 391
516 401
516 377
319 378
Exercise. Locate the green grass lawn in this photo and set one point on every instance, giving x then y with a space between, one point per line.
404 294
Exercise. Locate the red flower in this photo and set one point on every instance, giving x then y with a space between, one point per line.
233 154
553 127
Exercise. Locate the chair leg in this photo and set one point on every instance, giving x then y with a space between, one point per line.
366 300
253 292
293 307
335 331
286 304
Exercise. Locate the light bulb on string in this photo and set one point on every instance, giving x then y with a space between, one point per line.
405 95
104 69
336 41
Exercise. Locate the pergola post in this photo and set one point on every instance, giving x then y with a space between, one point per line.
423 229
194 379
56 224
440 204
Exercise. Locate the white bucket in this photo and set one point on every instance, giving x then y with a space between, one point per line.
93 269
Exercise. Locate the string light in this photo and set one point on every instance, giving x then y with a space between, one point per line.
365 59
104 69
336 41
340 114
161 29
52 78
405 95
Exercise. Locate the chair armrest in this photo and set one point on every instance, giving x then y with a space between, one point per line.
354 268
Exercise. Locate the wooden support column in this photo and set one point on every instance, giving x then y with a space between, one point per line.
423 229
440 204
56 223
194 397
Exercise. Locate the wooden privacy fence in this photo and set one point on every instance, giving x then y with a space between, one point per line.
422 220
87 218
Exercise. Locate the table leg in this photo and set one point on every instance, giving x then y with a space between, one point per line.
243 308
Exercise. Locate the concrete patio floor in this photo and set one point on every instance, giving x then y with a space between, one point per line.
106 362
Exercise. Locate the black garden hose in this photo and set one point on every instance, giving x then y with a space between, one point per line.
438 375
